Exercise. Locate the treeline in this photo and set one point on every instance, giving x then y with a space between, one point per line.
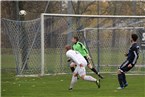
10 9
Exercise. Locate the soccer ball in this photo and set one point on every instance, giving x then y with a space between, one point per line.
22 12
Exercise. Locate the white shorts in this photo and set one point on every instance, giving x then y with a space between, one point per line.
80 70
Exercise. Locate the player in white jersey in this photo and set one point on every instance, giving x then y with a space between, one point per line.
80 63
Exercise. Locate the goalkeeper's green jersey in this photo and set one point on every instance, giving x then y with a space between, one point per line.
78 46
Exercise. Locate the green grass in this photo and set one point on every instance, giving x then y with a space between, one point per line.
53 86
8 61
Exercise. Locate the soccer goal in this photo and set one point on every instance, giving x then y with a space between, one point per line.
38 45
107 50
106 45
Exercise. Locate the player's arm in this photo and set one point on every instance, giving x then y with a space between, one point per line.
80 46
135 57
85 49
134 50
88 56
126 54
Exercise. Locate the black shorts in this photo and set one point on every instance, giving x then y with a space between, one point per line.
124 67
87 60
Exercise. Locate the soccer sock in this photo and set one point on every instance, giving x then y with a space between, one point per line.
120 80
124 78
73 81
89 78
94 70
72 69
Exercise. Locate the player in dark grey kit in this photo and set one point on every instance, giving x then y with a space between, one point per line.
131 60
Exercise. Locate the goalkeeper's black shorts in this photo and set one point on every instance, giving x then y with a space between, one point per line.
124 67
87 60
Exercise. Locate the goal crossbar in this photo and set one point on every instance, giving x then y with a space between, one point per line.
113 28
92 16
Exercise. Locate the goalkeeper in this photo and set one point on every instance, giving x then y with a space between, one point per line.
78 46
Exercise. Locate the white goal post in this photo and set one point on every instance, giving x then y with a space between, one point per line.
42 44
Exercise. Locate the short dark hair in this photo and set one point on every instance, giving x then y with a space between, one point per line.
76 38
134 37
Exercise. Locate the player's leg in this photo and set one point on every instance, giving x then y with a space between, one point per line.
82 73
125 69
124 79
74 78
73 81
92 68
121 74
120 80
72 66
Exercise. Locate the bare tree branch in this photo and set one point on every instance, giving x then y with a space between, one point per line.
87 7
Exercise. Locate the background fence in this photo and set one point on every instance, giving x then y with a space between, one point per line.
21 42
21 37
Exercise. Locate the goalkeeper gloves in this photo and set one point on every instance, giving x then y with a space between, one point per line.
88 57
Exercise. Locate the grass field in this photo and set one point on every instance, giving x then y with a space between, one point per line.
57 86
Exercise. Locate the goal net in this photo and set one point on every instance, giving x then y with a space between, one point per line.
107 47
38 45
25 40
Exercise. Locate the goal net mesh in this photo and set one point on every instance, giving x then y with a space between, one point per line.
106 46
25 40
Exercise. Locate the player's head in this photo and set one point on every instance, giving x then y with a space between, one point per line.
75 39
67 47
134 37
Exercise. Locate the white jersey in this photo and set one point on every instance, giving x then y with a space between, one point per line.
76 57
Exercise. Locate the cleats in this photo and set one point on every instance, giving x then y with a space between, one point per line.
98 83
70 89
120 88
125 85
